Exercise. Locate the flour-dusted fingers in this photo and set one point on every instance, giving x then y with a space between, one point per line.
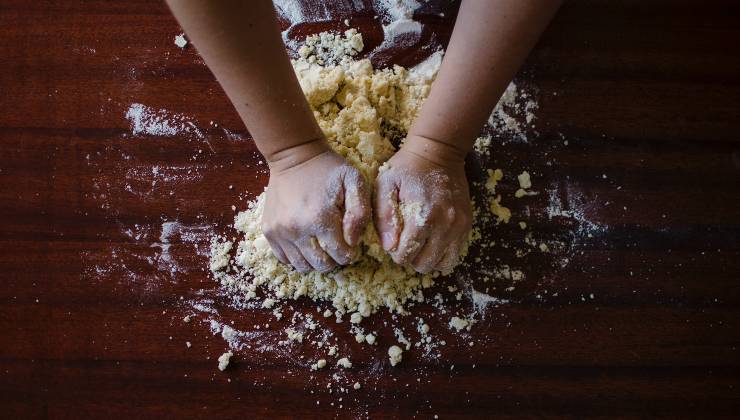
315 255
277 250
412 241
386 212
452 254
296 257
357 208
433 251
331 240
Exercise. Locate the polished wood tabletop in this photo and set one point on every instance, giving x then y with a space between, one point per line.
104 226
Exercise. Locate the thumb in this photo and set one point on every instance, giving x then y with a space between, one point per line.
356 207
387 217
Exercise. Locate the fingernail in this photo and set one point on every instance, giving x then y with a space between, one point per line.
386 238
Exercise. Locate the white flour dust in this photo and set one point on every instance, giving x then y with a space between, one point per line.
149 121
350 114
301 337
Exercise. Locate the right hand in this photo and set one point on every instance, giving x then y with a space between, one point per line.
315 212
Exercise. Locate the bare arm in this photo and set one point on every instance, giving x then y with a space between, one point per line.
307 221
240 41
490 41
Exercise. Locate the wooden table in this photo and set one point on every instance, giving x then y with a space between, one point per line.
643 320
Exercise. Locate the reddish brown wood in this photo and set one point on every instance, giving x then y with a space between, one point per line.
648 92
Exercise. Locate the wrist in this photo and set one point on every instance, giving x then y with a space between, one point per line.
292 156
436 151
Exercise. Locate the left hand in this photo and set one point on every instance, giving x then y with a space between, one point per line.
422 206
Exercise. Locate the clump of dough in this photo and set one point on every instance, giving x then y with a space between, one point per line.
223 360
395 354
361 111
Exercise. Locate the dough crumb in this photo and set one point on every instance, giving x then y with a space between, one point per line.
503 214
223 360
460 324
320 364
180 41
344 362
395 354
525 181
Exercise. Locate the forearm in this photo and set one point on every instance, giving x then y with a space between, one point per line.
490 41
240 41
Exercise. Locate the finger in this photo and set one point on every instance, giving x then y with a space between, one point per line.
387 216
452 255
431 253
332 242
315 255
296 257
413 239
277 250
356 207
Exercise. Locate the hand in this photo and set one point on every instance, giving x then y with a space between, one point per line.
422 206
315 211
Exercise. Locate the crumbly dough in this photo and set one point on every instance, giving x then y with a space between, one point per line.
360 110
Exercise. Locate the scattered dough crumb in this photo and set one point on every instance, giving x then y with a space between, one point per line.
320 364
525 181
395 355
503 214
494 176
344 362
459 324
223 360
180 41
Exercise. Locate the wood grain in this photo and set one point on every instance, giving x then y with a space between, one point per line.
645 92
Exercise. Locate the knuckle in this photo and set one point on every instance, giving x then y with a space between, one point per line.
451 215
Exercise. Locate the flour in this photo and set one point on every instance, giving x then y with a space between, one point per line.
394 10
400 33
513 116
146 120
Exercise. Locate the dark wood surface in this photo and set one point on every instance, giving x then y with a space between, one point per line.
645 92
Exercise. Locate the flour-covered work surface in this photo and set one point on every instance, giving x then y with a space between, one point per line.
600 276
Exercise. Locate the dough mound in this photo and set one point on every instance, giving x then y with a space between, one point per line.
360 110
